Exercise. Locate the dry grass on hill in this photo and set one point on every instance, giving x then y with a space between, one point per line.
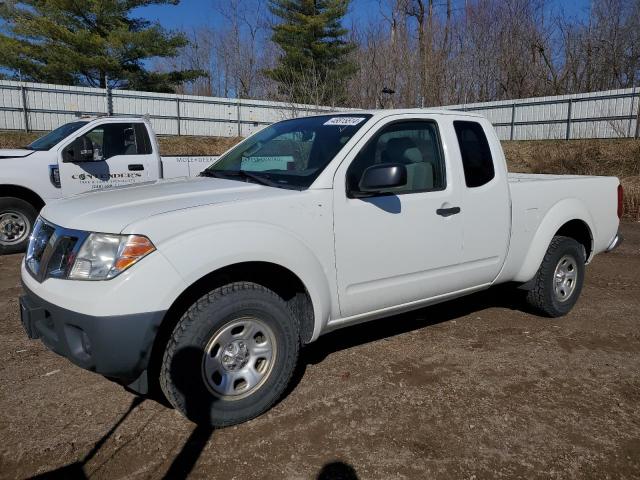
17 139
196 145
617 157
168 145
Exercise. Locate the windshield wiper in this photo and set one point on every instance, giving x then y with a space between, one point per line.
264 180
242 174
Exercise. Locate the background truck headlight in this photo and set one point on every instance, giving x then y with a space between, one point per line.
103 256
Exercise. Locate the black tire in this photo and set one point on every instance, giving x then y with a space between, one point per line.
544 297
182 374
15 212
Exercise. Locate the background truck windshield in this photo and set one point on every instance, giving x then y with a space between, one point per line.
292 153
54 137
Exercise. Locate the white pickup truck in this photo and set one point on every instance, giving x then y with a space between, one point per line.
84 155
207 287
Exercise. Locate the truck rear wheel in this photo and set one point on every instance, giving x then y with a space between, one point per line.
558 282
16 223
231 355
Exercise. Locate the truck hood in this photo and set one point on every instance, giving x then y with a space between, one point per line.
15 152
112 210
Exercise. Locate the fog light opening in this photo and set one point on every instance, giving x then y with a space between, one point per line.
86 343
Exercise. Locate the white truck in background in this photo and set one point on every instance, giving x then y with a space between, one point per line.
207 287
84 155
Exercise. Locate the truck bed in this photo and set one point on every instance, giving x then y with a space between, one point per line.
542 203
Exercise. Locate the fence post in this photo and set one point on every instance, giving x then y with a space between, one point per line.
239 119
513 120
568 136
178 114
633 99
637 118
25 108
108 97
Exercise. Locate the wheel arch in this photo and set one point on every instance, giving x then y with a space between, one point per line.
569 218
23 193
278 278
581 233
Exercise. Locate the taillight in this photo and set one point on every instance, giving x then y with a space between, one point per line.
620 201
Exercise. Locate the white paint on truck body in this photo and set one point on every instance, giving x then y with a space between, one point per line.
358 258
185 165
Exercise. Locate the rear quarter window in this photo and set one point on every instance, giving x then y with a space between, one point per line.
476 154
143 141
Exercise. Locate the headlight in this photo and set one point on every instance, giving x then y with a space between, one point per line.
103 256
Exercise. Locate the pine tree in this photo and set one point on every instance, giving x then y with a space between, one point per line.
314 65
88 42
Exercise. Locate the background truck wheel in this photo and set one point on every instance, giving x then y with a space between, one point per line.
16 222
558 282
231 355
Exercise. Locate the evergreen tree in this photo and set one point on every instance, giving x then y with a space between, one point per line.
88 42
314 65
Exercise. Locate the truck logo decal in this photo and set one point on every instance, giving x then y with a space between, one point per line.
106 176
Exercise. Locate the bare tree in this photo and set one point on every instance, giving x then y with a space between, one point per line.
434 52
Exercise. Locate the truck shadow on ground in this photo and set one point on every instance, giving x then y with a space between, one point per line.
76 470
503 296
184 462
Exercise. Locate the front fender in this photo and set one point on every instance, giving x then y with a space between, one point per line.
562 212
31 174
200 252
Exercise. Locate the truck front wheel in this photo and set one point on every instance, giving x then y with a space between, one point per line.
558 282
231 355
16 222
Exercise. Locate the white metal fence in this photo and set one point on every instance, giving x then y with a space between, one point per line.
610 114
43 107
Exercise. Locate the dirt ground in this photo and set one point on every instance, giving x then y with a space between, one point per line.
471 389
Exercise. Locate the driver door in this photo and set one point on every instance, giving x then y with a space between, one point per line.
109 155
403 245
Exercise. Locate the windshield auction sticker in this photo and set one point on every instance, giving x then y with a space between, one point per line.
344 121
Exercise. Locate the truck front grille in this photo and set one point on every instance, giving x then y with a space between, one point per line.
52 250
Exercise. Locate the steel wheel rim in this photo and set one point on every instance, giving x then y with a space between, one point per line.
565 278
239 358
14 227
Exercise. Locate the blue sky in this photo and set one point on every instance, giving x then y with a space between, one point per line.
191 13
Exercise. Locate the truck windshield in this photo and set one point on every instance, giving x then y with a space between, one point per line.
54 137
291 153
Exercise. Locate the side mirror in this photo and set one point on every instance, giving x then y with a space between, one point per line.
381 177
81 150
69 154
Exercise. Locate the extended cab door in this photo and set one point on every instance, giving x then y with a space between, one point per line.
107 155
485 201
405 244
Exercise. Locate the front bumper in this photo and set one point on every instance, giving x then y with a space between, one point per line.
116 346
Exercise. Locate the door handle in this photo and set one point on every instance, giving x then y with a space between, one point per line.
136 167
447 212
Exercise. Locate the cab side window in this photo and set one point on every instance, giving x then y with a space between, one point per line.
110 140
414 144
476 154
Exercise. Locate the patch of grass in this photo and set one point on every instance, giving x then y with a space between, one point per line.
611 157
196 145
17 139
169 145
